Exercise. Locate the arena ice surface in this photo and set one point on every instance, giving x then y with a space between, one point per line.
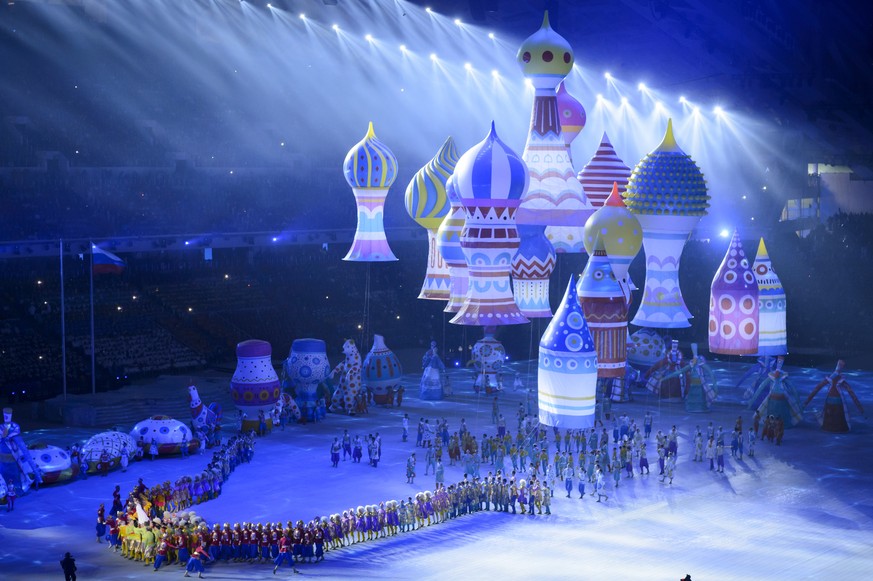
800 511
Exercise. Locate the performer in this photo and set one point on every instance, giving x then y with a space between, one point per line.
835 415
779 397
195 563
335 452
699 379
68 564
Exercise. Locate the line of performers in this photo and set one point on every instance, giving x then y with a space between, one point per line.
184 538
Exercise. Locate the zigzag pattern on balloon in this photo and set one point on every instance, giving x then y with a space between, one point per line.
534 268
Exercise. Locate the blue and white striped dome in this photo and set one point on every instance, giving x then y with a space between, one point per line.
491 170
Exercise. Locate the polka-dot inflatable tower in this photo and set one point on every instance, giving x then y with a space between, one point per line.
772 334
428 204
254 386
370 168
449 245
602 171
382 372
554 206
733 304
490 179
667 193
567 373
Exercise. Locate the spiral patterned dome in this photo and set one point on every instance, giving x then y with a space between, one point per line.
491 170
426 199
545 53
667 182
370 164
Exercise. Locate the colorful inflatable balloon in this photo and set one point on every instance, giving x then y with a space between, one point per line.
645 348
617 231
382 372
16 464
490 179
571 115
54 463
488 359
254 386
348 374
307 367
567 372
605 307
772 333
205 419
111 442
667 193
370 168
428 204
555 198
169 434
602 171
532 266
733 304
449 245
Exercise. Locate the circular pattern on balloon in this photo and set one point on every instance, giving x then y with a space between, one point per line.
575 320
728 330
747 304
727 304
573 342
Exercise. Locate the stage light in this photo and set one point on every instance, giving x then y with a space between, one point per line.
659 105
683 100
368 38
696 110
403 47
468 66
641 87
724 233
718 110
302 16
491 35
495 74
433 56
428 10
744 196
624 100
270 6
599 97
458 21
335 27
607 76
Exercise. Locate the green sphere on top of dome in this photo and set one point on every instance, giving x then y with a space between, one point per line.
545 54
667 182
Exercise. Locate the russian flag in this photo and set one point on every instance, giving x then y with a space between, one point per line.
104 262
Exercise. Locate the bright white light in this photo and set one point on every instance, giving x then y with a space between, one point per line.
718 110
403 47
528 83
744 196
683 100
302 16
269 6
428 10
468 66
607 76
599 97
368 38
624 100
275 239
724 233
696 110
494 73
659 105
641 87
433 56
491 35
335 27
458 21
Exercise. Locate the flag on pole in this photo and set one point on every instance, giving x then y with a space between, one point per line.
104 262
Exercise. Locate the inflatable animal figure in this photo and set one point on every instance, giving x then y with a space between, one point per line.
16 464
835 415
287 402
204 418
348 373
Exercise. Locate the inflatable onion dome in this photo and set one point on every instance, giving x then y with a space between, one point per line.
648 348
614 229
491 170
571 114
426 199
545 54
603 170
370 164
667 182
167 433
54 463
